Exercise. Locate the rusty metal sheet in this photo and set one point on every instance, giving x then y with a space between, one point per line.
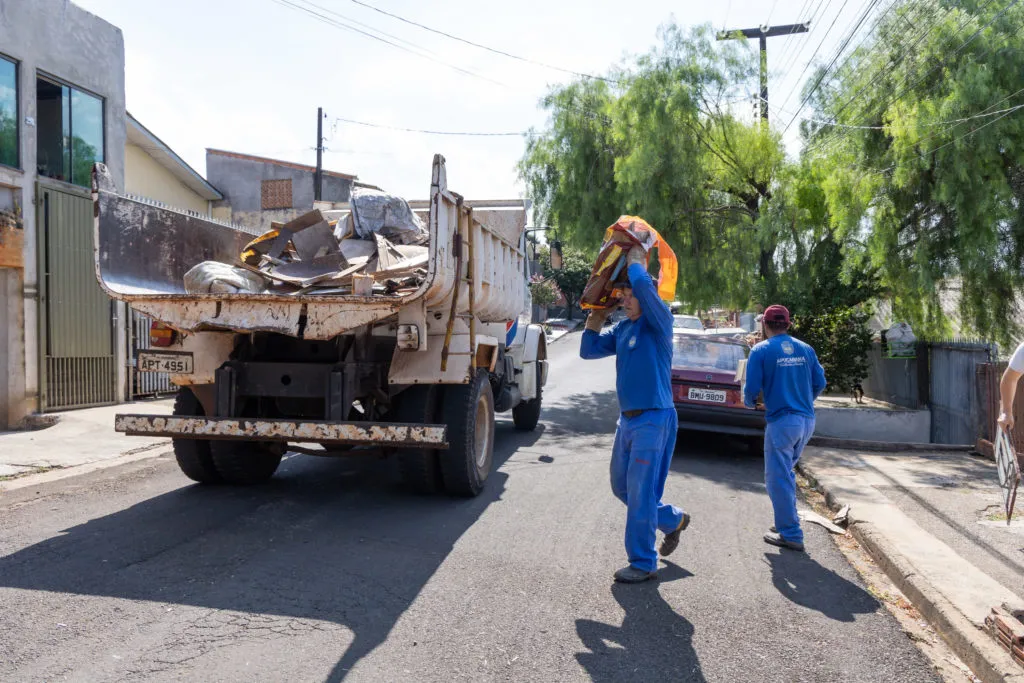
234 428
1008 467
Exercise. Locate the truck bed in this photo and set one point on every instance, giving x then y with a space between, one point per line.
142 252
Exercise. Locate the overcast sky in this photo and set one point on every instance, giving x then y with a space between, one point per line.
248 75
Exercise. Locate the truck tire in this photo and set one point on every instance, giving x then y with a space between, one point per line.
469 413
244 462
526 415
193 455
418 468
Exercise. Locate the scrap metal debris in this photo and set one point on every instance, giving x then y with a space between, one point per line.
842 518
815 518
378 248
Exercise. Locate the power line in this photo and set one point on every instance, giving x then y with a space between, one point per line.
484 47
833 138
791 61
339 24
835 135
430 132
934 123
816 51
867 11
958 139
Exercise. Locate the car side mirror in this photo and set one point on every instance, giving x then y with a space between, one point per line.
556 255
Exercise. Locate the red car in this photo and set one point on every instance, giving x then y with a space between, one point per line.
707 394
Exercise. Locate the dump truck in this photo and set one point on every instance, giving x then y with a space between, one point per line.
417 375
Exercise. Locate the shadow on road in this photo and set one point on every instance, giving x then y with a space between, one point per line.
589 413
802 580
328 540
652 638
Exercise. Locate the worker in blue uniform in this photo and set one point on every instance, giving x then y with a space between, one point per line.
788 372
646 433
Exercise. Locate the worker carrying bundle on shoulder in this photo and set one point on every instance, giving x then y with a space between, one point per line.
642 345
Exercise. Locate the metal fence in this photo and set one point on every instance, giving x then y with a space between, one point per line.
941 377
893 380
144 383
953 393
76 342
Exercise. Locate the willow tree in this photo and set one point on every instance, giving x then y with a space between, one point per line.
659 139
925 139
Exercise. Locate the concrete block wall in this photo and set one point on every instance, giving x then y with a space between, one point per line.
57 39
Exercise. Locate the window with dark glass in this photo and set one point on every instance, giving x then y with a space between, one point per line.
8 113
70 124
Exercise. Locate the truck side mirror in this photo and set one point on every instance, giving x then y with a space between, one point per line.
556 255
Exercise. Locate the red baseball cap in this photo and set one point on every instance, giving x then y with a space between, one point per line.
776 314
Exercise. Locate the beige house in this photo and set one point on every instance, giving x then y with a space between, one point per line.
152 170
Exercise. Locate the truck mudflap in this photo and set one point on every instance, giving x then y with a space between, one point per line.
391 434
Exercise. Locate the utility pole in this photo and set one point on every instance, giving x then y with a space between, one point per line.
318 178
763 34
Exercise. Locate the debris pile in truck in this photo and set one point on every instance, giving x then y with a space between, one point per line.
378 247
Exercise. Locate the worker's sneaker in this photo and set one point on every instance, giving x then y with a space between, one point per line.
774 538
671 540
631 574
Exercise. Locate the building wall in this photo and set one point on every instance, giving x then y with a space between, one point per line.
240 181
56 38
144 176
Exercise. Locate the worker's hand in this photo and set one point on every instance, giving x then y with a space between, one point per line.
1006 421
636 255
596 319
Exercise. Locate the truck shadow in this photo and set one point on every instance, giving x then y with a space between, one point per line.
326 540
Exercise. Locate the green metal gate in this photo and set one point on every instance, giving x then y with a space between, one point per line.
77 365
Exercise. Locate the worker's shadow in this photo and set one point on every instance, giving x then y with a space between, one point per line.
653 640
802 580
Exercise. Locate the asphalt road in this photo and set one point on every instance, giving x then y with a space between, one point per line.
332 573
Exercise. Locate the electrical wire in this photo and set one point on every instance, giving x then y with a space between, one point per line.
816 51
341 25
842 47
832 139
483 47
430 132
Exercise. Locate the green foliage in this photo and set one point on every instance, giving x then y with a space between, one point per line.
573 276
841 339
542 293
663 145
940 176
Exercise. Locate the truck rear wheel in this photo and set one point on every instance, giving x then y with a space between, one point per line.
418 468
526 415
469 414
193 455
244 462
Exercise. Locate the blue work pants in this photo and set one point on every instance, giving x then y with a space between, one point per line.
640 460
784 441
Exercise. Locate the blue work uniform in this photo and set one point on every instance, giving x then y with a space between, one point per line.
788 372
644 442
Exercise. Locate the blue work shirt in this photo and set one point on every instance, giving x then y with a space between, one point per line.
789 373
642 349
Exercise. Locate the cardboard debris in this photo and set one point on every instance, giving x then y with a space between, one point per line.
319 253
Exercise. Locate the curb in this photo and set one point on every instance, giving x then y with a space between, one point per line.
562 336
974 646
885 446
134 455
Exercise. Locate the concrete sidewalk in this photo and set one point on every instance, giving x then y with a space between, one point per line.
80 437
934 523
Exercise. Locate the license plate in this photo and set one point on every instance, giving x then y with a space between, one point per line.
707 395
171 362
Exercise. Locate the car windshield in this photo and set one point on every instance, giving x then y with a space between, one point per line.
686 322
695 353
